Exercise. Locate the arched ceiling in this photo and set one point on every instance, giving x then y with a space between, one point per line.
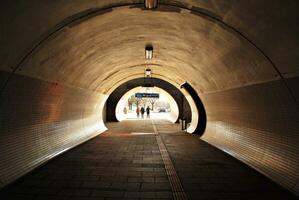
108 48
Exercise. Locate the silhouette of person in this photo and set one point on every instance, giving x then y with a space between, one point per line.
148 112
137 111
142 111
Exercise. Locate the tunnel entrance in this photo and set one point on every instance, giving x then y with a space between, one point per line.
190 111
147 103
184 110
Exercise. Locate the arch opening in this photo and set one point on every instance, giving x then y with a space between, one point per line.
161 106
186 113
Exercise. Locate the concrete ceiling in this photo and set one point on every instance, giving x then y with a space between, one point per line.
214 45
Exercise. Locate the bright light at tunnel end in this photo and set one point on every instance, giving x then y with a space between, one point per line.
172 116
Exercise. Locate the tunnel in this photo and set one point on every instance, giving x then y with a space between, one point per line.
232 66
184 111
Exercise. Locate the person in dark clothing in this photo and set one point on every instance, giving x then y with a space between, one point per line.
142 111
137 111
148 112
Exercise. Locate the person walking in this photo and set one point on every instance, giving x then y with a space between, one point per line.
148 112
142 112
137 111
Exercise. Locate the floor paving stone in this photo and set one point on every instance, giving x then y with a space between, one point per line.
125 163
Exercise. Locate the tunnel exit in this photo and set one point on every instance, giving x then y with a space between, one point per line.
147 103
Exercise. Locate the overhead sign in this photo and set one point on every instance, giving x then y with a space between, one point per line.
147 95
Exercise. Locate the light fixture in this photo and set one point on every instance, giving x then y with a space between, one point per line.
149 51
150 4
147 72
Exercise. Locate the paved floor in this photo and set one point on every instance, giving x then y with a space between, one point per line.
126 163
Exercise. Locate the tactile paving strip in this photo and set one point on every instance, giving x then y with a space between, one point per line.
175 182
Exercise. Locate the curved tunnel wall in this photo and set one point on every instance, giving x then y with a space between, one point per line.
199 116
259 125
250 100
40 120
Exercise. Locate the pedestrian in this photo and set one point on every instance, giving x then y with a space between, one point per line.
137 111
142 111
148 112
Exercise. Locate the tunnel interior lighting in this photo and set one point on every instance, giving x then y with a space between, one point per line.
148 72
149 52
150 4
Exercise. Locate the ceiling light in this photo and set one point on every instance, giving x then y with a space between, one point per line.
148 72
149 52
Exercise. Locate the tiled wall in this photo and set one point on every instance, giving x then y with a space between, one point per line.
40 120
259 125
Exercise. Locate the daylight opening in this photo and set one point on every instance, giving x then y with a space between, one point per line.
144 103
